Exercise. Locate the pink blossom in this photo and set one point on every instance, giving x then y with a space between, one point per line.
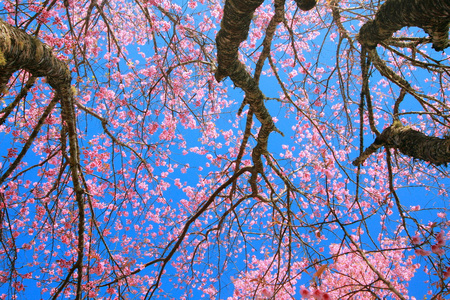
326 296
415 208
440 237
304 292
139 117
265 292
446 274
318 294
436 249
416 240
422 252
293 73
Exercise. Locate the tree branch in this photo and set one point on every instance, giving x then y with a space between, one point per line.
234 29
433 16
410 142
19 50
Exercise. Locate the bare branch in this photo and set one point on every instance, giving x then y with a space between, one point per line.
433 16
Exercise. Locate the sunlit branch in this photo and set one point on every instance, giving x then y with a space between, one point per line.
23 92
404 84
364 257
365 91
234 29
394 192
188 223
270 31
165 259
334 5
108 132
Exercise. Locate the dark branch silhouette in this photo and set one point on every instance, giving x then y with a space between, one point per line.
433 16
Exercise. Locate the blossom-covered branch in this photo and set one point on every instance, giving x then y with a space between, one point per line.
19 50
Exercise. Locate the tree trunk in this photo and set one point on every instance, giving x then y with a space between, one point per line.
234 27
412 143
19 50
433 16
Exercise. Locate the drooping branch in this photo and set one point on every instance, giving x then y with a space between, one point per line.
23 92
29 141
401 82
20 51
276 19
410 142
433 16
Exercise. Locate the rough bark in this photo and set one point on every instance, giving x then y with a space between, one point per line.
412 143
234 29
18 50
433 16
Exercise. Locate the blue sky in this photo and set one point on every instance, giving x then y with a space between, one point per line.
410 196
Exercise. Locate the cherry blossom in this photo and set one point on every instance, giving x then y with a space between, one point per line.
148 168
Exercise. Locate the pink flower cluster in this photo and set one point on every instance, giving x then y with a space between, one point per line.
436 248
315 294
447 273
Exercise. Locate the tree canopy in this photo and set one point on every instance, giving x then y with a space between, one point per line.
237 149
